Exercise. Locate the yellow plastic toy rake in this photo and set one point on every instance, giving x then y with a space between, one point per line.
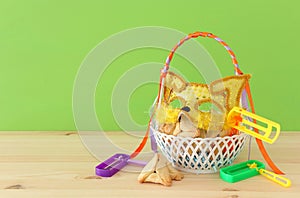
268 133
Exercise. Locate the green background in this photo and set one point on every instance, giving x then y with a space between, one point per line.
42 44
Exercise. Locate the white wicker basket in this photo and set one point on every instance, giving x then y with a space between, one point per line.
200 155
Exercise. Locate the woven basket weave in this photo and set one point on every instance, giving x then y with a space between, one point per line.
200 155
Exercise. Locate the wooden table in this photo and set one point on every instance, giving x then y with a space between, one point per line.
57 164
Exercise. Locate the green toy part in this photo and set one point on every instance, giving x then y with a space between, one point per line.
240 171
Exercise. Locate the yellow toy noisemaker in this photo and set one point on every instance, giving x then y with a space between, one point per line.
248 122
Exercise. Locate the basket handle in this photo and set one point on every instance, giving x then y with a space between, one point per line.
202 34
195 35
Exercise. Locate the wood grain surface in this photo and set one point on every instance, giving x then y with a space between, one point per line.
57 164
